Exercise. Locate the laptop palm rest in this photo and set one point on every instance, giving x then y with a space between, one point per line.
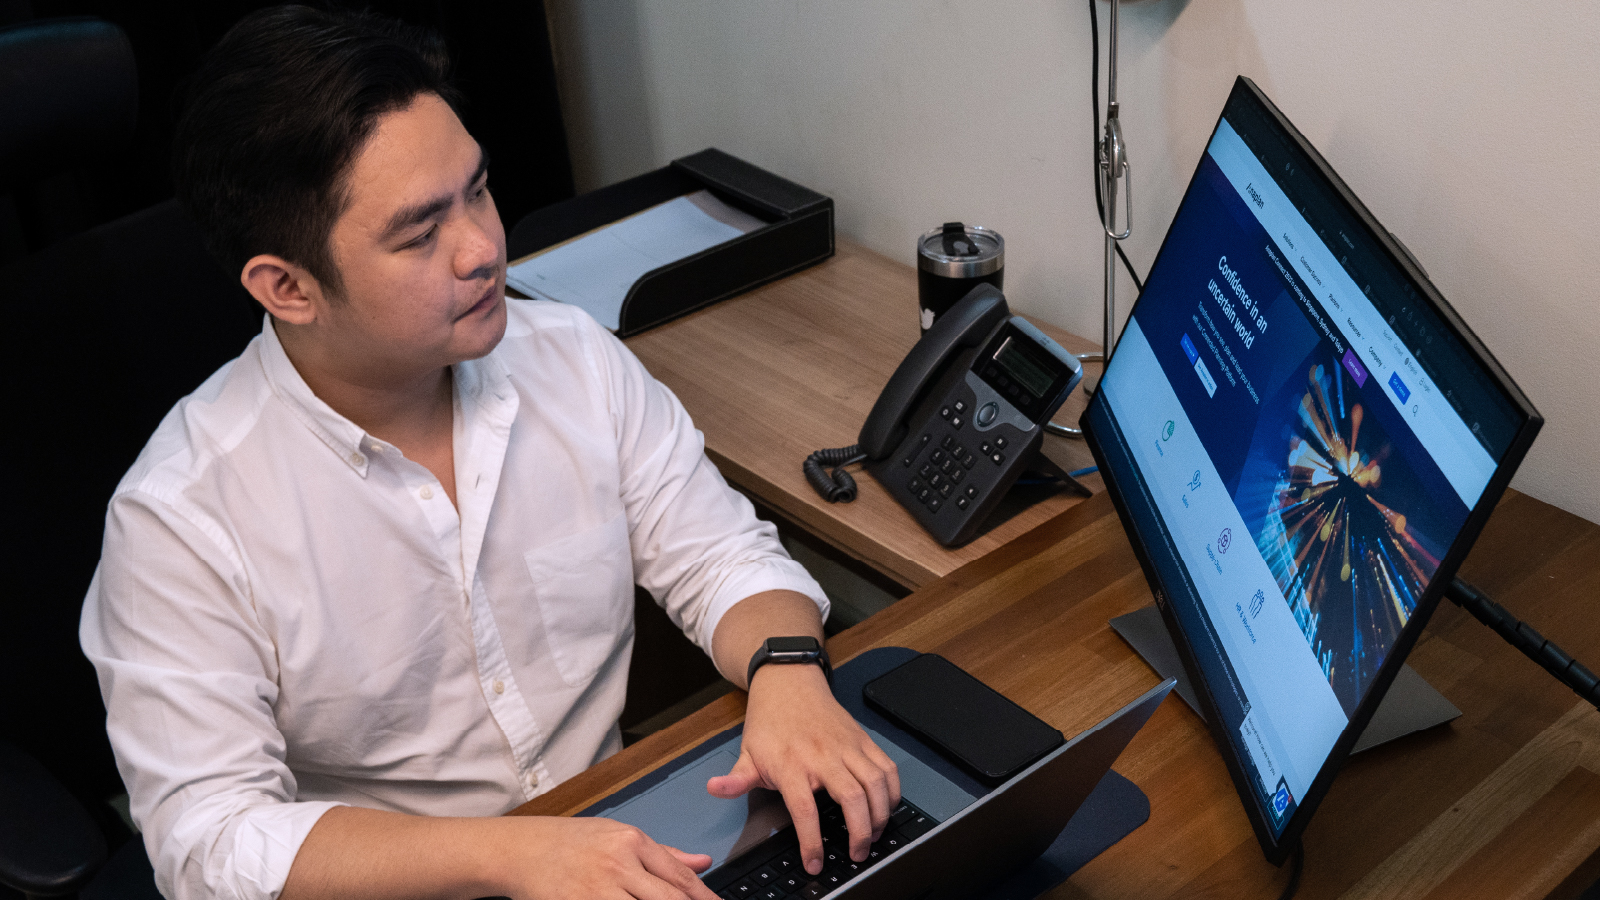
678 811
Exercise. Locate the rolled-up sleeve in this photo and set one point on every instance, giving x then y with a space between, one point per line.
189 680
697 544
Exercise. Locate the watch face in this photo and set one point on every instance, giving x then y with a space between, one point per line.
793 645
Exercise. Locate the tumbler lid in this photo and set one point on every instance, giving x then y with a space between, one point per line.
961 251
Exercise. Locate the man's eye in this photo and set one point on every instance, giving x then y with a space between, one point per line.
422 239
481 192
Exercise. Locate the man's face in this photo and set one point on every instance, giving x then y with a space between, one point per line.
420 250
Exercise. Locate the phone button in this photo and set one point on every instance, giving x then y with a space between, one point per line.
944 412
933 504
987 413
955 421
1000 443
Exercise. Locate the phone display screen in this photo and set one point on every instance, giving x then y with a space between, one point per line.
1034 378
1023 373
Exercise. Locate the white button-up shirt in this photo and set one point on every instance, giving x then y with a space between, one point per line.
290 615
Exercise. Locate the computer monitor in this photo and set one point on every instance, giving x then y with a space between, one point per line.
1302 440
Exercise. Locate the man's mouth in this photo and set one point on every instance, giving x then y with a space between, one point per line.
487 301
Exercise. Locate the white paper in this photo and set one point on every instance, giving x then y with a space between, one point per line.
596 271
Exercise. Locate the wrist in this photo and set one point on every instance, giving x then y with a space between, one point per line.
801 650
785 678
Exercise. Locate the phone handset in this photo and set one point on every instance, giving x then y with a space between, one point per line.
962 327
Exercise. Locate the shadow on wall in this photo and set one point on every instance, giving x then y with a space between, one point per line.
602 87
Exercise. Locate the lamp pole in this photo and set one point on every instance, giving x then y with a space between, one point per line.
1113 167
1112 155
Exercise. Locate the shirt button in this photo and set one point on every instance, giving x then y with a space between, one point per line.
357 459
499 687
533 781
426 493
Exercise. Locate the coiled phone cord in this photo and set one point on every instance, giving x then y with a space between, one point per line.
839 486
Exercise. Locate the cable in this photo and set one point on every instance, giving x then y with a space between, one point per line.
1094 104
838 486
1519 634
1086 470
1297 864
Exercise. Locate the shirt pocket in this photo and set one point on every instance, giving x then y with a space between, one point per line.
584 587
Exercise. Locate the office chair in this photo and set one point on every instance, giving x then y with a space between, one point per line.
69 98
103 333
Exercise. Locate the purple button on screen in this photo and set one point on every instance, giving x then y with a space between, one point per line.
1352 364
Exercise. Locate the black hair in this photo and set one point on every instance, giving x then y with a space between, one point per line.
278 111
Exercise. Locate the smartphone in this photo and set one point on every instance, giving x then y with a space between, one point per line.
969 722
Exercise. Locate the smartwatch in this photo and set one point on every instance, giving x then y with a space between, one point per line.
790 650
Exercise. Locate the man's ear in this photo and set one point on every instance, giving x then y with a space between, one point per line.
286 290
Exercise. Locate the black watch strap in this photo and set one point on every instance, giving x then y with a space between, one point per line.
790 651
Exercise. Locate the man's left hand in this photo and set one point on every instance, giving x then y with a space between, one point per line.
797 738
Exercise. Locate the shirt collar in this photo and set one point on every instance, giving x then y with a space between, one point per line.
477 383
342 436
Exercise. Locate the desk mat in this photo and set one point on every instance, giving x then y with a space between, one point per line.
1115 808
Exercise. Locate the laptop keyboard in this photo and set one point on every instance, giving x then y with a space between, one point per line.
772 870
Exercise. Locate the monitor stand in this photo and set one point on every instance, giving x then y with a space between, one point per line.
1411 703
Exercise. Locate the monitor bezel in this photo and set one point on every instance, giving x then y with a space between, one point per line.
1097 416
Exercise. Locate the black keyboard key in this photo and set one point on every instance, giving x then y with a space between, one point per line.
744 889
765 876
771 893
788 884
814 890
918 826
901 815
787 862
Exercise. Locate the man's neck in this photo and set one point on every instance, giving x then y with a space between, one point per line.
411 410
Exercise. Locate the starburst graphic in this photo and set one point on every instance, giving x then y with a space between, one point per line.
1340 548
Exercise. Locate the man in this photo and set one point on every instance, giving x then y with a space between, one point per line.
370 585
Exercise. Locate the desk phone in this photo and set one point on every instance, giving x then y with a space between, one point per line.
961 418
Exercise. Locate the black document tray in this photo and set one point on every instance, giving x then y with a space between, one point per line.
798 233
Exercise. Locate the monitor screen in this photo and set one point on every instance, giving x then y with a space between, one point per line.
1302 440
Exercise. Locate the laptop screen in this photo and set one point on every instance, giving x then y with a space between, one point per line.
1302 440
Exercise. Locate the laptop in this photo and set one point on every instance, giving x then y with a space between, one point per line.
942 842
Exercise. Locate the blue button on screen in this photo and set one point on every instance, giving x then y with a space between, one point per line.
1399 387
1188 350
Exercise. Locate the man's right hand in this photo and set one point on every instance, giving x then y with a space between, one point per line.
354 853
560 858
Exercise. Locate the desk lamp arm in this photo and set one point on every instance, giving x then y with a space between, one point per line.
1519 634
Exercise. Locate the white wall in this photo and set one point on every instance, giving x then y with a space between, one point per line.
1471 128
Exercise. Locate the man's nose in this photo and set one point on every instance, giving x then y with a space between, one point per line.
478 254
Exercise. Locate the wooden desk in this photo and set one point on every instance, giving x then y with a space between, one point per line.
1504 802
795 366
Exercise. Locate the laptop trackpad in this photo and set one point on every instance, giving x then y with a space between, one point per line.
678 812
